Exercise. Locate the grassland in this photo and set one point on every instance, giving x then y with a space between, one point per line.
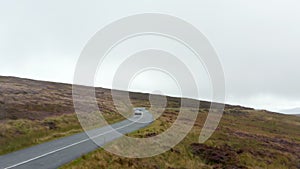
22 133
32 112
244 139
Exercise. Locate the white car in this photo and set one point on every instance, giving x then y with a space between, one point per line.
138 111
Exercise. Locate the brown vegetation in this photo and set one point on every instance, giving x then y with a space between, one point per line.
32 112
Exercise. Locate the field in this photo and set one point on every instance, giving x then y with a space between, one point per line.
32 112
244 139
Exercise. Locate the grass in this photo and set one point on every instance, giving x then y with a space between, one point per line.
244 139
22 133
32 112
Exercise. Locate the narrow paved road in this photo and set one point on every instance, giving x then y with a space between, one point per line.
55 153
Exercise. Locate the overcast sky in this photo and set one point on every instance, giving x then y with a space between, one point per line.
257 42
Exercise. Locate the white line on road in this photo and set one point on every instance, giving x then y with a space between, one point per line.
68 146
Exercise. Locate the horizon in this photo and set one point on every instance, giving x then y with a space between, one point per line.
142 92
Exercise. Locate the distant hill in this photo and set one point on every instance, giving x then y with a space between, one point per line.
32 99
295 111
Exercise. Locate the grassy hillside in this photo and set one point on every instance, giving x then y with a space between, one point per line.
244 139
32 112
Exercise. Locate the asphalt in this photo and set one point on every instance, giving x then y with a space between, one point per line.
56 153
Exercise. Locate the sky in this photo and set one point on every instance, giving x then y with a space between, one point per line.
257 43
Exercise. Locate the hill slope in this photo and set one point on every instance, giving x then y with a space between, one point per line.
32 112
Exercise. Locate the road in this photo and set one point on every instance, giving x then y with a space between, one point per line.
55 153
